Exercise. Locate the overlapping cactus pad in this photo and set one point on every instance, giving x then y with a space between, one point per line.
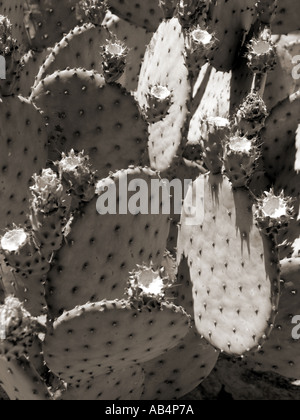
149 197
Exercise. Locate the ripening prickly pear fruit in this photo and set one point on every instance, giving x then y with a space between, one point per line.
17 329
21 253
168 7
261 54
147 284
241 156
191 12
274 212
9 50
214 133
93 10
199 45
251 116
49 210
75 169
114 55
159 101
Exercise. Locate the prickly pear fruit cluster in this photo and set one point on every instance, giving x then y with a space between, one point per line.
149 195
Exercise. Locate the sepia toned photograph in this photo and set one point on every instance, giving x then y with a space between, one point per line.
149 202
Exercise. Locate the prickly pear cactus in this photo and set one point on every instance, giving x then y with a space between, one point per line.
149 196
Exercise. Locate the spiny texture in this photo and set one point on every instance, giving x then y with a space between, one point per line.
94 305
165 136
71 51
17 329
113 243
224 264
46 21
121 385
91 124
23 141
231 21
93 339
281 352
14 11
144 13
21 381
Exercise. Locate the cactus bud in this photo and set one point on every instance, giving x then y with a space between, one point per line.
214 132
49 209
147 285
114 55
252 115
262 55
159 101
274 212
94 10
21 253
75 169
168 7
199 44
48 192
17 329
241 156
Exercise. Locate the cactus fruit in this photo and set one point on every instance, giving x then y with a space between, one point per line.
224 282
251 116
18 329
76 171
241 156
159 101
94 11
49 207
114 55
261 54
274 213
